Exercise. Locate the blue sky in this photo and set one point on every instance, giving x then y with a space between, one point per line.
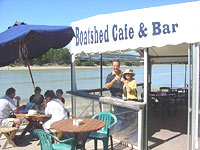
63 12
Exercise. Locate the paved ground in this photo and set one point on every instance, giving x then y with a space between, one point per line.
30 143
166 132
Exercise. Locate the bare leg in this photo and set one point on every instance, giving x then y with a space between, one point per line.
17 123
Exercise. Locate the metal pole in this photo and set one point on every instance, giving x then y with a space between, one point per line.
101 80
140 129
73 85
171 75
185 75
189 130
144 117
150 75
194 71
195 96
101 72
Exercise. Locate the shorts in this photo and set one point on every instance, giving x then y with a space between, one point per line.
8 122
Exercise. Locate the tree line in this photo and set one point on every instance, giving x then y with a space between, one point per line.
63 57
53 56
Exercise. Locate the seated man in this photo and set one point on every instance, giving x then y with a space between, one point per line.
39 106
6 106
35 100
53 107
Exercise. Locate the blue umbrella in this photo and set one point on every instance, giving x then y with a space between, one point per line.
31 41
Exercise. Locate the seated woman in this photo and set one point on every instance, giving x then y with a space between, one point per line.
53 107
129 88
59 94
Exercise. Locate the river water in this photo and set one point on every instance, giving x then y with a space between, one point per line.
86 78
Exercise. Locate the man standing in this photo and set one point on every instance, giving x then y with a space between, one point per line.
113 80
7 105
115 85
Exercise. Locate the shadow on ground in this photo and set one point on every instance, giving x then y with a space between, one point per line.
26 140
166 127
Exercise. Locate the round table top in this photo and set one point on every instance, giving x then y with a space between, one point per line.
88 125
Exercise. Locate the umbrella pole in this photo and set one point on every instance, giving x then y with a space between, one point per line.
28 64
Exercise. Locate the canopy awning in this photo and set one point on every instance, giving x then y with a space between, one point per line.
166 30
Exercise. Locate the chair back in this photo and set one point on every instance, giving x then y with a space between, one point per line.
109 119
46 139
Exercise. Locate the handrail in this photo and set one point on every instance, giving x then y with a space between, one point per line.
102 89
109 100
83 94
94 90
106 99
119 102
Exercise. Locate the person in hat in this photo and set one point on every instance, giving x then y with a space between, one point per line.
129 88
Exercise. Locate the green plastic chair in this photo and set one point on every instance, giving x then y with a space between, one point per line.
105 132
47 141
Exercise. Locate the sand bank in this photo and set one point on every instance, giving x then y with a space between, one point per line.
48 67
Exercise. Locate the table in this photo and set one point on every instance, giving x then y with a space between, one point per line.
81 132
34 120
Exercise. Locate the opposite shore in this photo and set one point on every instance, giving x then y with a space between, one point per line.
53 67
6 68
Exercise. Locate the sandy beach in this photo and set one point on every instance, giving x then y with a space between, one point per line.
42 67
52 67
